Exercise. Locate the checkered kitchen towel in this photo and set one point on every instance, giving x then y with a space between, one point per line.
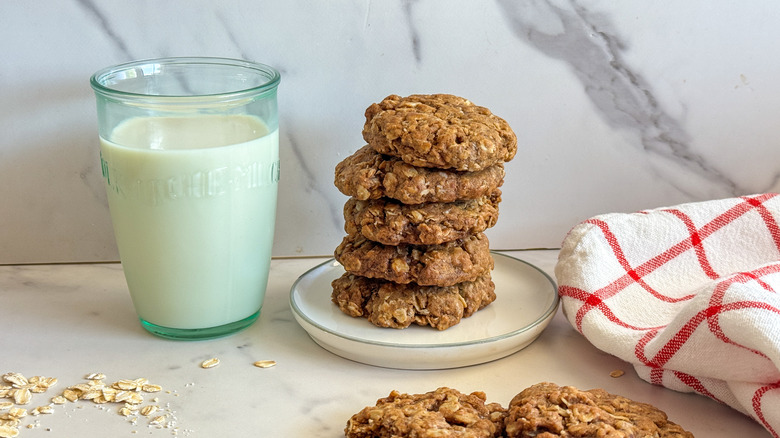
690 295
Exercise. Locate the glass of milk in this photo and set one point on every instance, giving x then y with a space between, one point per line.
189 149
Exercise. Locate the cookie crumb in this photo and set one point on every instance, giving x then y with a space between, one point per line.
616 373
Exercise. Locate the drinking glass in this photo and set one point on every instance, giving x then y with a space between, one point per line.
189 149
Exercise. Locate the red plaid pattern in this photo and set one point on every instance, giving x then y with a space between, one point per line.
690 295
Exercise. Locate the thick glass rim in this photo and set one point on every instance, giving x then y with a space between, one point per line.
273 77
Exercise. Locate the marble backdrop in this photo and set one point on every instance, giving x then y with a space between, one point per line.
618 106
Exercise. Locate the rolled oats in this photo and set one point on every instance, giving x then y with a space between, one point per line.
209 363
16 379
41 384
20 390
135 398
46 409
148 410
7 420
151 388
122 396
265 363
70 395
17 412
91 394
21 396
8 431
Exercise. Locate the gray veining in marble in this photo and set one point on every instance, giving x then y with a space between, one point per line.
588 43
102 21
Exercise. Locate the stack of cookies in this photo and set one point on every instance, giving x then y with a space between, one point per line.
422 192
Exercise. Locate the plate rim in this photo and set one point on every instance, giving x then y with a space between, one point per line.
539 320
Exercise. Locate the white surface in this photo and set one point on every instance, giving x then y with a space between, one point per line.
527 300
618 106
70 320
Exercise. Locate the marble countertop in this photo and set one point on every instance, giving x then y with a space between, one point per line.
67 321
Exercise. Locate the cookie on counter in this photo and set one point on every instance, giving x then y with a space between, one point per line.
439 130
392 223
392 305
549 410
367 174
443 413
426 265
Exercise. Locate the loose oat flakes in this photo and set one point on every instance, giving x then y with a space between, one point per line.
129 392
209 363
149 410
8 431
21 388
17 413
41 384
265 363
46 409
151 388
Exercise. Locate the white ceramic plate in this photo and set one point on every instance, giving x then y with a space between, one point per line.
526 301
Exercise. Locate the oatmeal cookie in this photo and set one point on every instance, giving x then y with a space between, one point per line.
547 410
388 304
432 265
367 174
444 413
439 130
392 223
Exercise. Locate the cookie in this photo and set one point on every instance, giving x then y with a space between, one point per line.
392 305
548 410
392 223
444 413
427 265
439 130
367 174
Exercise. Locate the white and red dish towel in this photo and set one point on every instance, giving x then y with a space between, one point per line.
689 295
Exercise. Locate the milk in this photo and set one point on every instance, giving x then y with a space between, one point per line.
193 202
